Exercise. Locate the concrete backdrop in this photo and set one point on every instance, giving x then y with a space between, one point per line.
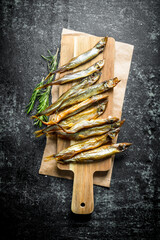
38 207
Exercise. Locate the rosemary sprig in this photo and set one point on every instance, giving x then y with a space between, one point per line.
41 94
33 98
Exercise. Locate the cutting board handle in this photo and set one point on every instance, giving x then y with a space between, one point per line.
82 196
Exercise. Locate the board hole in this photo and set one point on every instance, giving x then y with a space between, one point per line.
82 204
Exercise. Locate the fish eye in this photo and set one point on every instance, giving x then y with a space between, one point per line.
98 66
100 110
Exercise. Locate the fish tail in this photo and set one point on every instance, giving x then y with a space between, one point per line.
39 133
60 70
42 113
49 134
49 158
50 74
45 123
35 116
45 85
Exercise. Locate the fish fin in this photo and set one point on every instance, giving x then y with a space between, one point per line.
49 134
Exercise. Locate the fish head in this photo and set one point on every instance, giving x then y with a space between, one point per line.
123 146
101 108
94 77
116 80
99 65
112 134
90 80
101 44
108 84
113 119
111 83
121 122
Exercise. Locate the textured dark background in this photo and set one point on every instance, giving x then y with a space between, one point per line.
38 207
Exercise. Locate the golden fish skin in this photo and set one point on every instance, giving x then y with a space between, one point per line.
76 75
78 107
90 113
91 123
73 91
74 109
89 92
82 58
83 146
91 132
97 154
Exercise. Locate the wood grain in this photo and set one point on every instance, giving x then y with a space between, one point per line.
82 197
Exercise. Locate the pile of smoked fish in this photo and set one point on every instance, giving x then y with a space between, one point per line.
75 113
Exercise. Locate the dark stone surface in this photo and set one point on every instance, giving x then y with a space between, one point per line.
38 207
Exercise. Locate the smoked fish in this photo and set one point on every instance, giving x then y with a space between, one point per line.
90 123
82 58
73 91
89 92
74 109
91 132
71 77
91 113
97 154
84 146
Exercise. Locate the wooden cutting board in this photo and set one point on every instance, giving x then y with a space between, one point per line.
71 46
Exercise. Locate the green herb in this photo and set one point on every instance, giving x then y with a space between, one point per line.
34 96
42 95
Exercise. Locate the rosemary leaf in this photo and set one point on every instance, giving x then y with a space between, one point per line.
33 98
43 95
40 94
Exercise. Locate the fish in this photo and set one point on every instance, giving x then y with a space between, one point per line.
91 132
74 109
91 113
73 91
71 77
97 154
90 123
89 92
82 58
83 146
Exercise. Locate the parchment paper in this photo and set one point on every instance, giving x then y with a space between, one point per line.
123 57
